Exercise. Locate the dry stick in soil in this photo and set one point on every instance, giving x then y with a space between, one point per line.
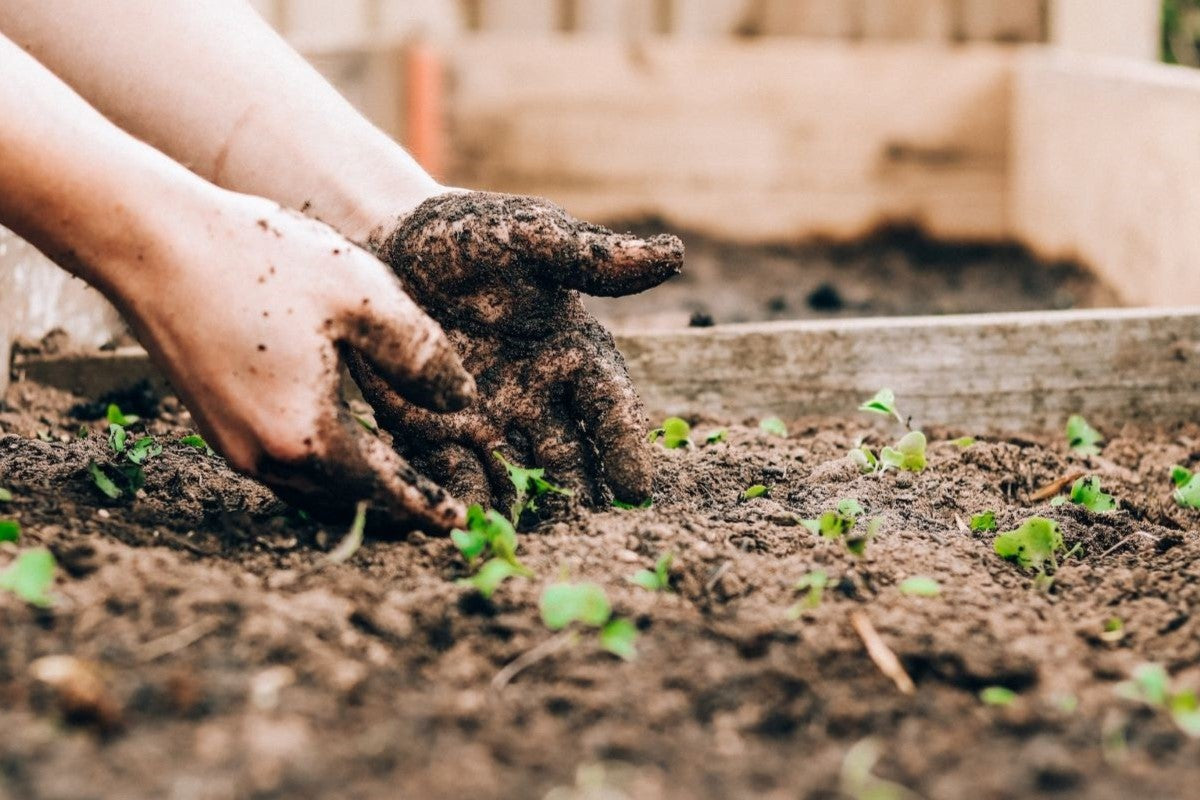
881 654
1054 487
531 657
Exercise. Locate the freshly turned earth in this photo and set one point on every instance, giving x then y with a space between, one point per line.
233 670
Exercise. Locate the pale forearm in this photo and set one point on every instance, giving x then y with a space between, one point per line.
211 85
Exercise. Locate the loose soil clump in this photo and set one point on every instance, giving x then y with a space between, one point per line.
232 663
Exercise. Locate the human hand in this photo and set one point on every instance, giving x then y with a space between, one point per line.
249 307
502 274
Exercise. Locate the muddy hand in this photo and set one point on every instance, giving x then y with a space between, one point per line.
502 274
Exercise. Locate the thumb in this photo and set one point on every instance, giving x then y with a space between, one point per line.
408 349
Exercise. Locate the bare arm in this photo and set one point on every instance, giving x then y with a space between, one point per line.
214 87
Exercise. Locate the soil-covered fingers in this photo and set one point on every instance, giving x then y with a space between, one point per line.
459 470
613 416
560 448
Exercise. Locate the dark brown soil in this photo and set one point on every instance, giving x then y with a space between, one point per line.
232 671
896 271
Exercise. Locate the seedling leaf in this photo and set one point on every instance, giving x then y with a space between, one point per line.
6 496
471 543
774 426
531 484
619 637
674 433
997 696
493 573
658 579
1188 494
1180 475
10 530
30 576
1114 630
564 603
864 459
814 584
719 435
116 437
115 416
196 441
143 450
1082 437
649 501
849 507
757 490
963 442
497 534
103 482
348 546
884 402
984 521
908 454
1086 492
920 586
1032 545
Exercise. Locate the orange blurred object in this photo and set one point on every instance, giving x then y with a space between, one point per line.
424 130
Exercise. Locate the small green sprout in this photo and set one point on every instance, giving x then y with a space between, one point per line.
908 454
674 433
757 490
841 522
717 436
6 495
488 532
143 449
963 442
884 402
1082 437
104 483
858 781
983 521
531 486
353 539
864 458
196 441
10 530
774 426
1086 492
657 579
116 437
83 432
30 576
1113 630
813 584
1187 487
487 580
115 417
1034 544
649 501
1150 684
45 436
997 696
562 604
920 586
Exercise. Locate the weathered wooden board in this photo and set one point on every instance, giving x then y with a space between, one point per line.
1023 371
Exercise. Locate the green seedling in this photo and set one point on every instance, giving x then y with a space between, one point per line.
1082 437
83 432
115 417
30 576
657 579
104 483
531 486
920 586
649 501
1187 487
717 436
983 521
997 696
757 490
774 426
908 454
674 433
196 441
366 423
487 580
1113 630
127 476
353 540
488 532
864 458
858 781
841 523
563 604
117 437
963 442
1150 684
813 584
884 402
143 449
6 496
10 530
1034 545
45 436
1086 492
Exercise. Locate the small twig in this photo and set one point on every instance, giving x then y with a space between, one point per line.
530 657
881 654
717 574
177 640
1054 487
347 547
1122 543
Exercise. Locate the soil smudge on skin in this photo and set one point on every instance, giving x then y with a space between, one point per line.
236 667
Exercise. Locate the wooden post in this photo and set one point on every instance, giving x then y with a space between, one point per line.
424 133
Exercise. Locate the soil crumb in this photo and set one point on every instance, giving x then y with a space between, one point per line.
195 615
894 271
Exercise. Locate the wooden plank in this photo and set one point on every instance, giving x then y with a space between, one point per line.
820 140
926 20
519 16
840 19
1125 28
1105 169
1019 371
1003 20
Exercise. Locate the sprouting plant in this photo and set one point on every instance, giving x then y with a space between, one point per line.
757 490
1113 630
353 539
488 533
1086 492
649 501
1150 684
858 781
30 576
1187 487
196 441
10 530
813 584
127 475
563 604
997 696
6 495
489 577
774 426
908 454
983 521
841 523
673 433
864 458
1034 545
717 436
884 402
104 483
115 417
920 586
1082 437
657 579
531 486
963 442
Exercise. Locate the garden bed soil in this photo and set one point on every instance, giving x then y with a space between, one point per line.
895 271
229 668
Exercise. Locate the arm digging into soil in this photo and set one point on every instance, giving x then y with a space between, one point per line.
244 304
